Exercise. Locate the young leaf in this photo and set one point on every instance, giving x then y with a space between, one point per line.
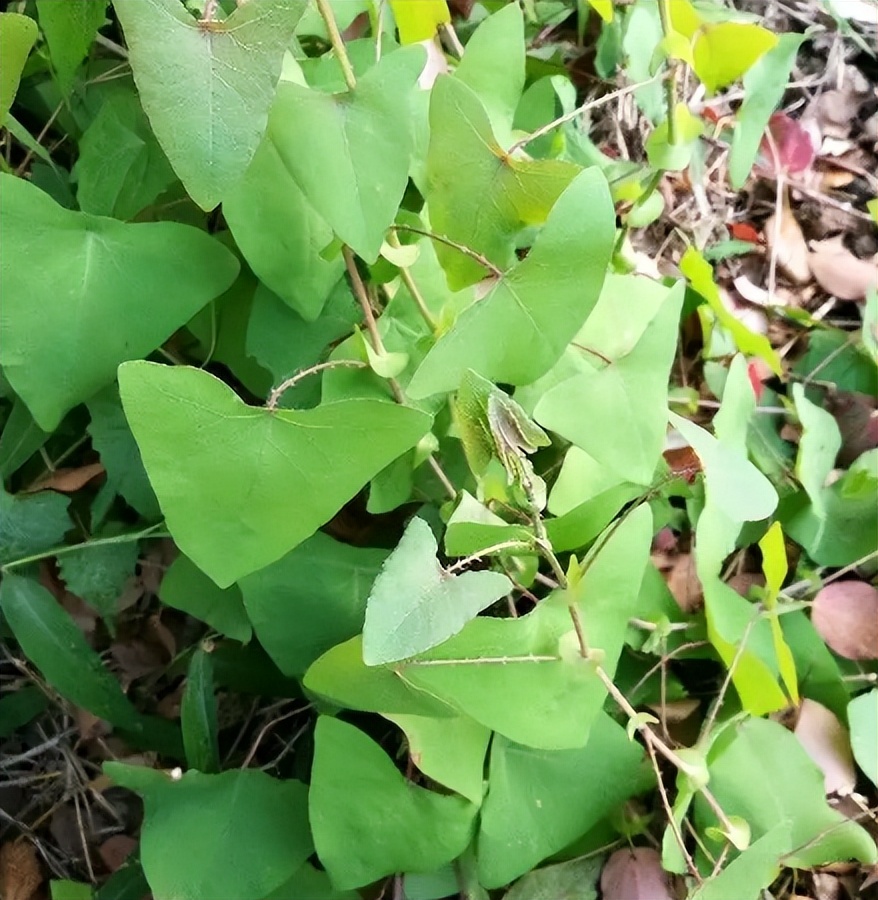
617 414
198 715
368 821
239 834
449 750
253 483
31 524
18 34
69 29
538 802
187 588
207 86
481 197
331 610
415 604
353 145
127 288
518 332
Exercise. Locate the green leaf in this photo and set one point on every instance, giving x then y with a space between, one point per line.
52 642
20 439
774 565
518 677
207 87
98 575
575 879
764 86
782 786
120 169
368 821
70 28
20 707
349 153
70 890
308 883
724 51
749 873
113 440
518 332
538 802
340 675
582 524
818 448
127 289
318 592
198 715
481 197
18 34
187 588
674 157
277 229
415 604
618 413
450 750
863 720
700 274
253 483
473 528
494 66
239 834
31 524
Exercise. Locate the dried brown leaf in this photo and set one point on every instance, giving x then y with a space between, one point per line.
839 272
788 243
67 481
845 615
115 850
857 418
635 874
20 874
684 584
828 743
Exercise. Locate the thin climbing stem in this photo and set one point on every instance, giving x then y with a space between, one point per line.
494 548
671 81
581 110
335 38
293 380
412 287
461 248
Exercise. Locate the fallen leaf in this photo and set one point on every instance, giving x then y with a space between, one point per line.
789 146
683 462
67 480
789 244
839 272
744 231
743 581
835 111
857 418
635 874
20 874
845 615
684 584
828 743
115 850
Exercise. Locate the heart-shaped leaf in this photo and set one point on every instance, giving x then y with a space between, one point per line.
477 194
349 153
618 413
114 291
518 332
239 485
207 86
368 820
69 29
202 833
415 604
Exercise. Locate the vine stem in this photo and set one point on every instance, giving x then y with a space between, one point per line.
410 283
335 38
293 380
461 248
494 548
580 110
671 82
151 532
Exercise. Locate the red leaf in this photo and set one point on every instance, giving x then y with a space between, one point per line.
788 148
744 231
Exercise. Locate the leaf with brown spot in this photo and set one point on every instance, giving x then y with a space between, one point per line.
845 615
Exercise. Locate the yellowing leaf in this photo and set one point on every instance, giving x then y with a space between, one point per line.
419 20
684 18
724 52
604 8
774 565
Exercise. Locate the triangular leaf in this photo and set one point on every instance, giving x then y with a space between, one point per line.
250 484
